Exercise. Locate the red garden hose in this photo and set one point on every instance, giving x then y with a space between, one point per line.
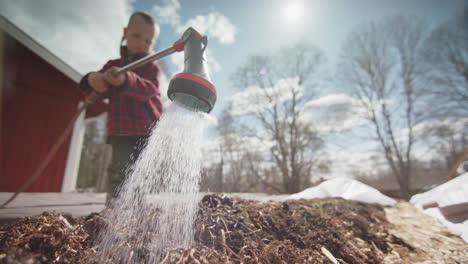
49 155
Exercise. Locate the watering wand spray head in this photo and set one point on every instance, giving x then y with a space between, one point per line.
192 88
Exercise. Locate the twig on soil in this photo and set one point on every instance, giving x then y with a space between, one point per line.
223 237
329 255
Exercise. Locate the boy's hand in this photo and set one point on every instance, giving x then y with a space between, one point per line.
114 79
97 82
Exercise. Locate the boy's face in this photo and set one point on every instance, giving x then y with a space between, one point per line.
140 36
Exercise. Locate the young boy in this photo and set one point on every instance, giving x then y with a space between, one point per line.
134 97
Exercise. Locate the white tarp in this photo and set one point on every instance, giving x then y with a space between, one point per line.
452 192
345 188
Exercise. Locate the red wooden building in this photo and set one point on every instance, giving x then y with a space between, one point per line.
39 97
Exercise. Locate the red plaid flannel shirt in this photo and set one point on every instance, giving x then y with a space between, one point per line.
135 107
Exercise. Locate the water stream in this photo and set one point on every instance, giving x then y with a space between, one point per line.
158 202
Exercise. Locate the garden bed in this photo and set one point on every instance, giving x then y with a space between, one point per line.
233 230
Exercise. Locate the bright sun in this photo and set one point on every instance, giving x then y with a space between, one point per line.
293 11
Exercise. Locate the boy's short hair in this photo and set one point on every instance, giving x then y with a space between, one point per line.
146 16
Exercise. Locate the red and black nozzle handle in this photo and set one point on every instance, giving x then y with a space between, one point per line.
192 89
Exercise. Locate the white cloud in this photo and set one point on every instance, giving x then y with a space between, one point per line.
163 86
85 34
335 112
214 65
456 126
214 25
242 143
168 13
364 156
256 100
258 144
178 60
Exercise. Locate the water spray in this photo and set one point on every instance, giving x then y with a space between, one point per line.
166 176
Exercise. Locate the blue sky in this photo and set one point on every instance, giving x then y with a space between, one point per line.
85 34
263 26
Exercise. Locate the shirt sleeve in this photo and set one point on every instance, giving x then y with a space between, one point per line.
141 88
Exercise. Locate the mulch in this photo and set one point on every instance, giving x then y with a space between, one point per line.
227 230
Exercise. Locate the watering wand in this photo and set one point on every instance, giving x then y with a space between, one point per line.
191 89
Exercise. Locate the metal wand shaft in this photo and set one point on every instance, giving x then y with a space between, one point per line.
146 60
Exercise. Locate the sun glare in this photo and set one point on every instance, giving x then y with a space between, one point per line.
293 11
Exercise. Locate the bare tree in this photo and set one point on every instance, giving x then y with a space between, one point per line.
231 169
230 150
282 83
95 157
381 66
448 140
425 175
446 55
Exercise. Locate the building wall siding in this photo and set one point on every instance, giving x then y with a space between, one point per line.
38 101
